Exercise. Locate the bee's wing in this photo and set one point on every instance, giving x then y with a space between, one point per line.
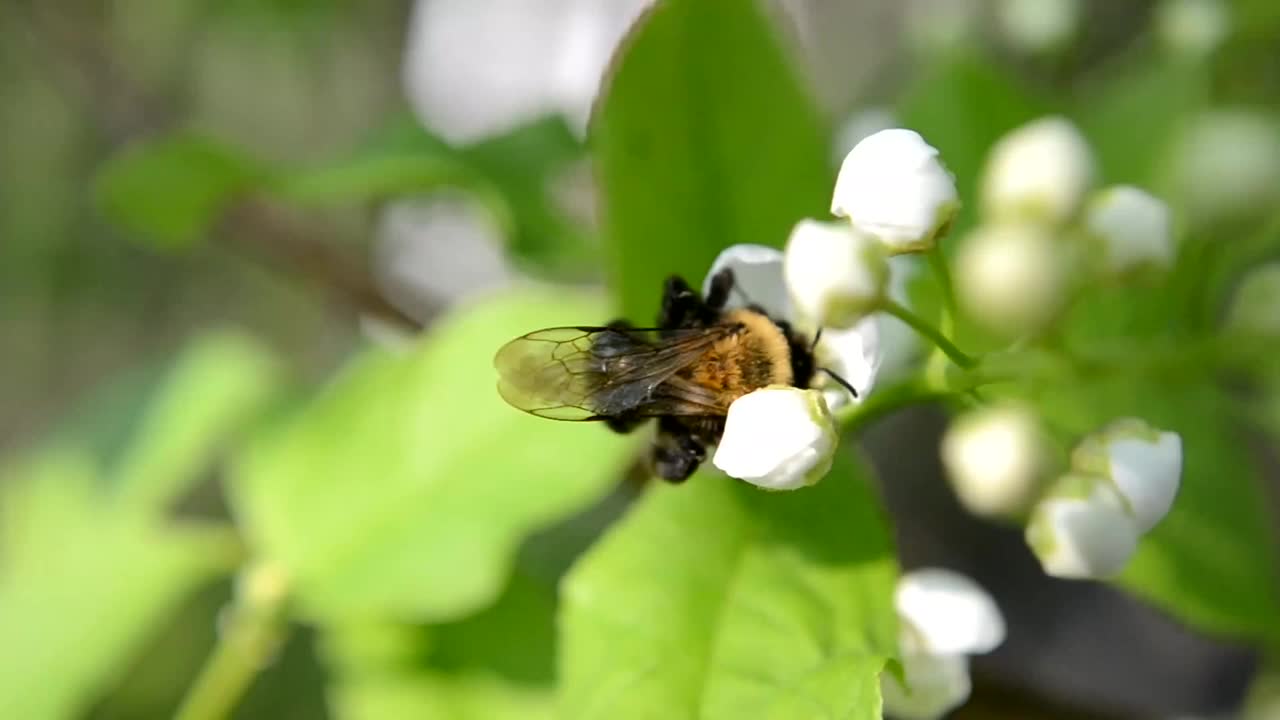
588 373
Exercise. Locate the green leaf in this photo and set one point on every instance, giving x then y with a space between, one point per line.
170 191
525 165
1131 113
400 159
714 599
703 138
81 587
214 388
403 490
1211 562
466 670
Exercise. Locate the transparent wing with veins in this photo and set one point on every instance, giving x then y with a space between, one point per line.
590 373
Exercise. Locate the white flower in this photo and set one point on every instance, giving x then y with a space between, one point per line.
1145 465
949 612
938 684
1192 27
835 274
1256 306
778 438
1038 25
1227 165
1038 172
1011 278
996 459
1083 529
892 186
1134 229
944 617
476 68
853 354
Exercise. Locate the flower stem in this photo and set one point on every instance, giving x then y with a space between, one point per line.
251 632
942 274
926 330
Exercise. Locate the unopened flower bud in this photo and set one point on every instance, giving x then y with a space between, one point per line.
936 685
949 612
1145 465
1039 172
1227 166
893 187
1256 307
1038 25
1083 529
1011 278
1133 228
835 274
996 460
1192 27
944 617
778 438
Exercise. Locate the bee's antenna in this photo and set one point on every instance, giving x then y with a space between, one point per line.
843 383
816 337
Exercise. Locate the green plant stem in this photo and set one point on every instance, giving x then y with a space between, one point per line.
926 330
254 627
942 274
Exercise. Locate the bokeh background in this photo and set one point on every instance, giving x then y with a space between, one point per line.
101 289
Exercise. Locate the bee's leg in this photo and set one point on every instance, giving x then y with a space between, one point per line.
681 306
623 424
718 292
676 452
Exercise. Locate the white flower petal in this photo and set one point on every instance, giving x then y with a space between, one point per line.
995 458
948 613
477 68
892 186
1011 278
1134 228
855 355
779 438
834 274
757 274
1038 172
1145 465
937 684
1084 529
1256 306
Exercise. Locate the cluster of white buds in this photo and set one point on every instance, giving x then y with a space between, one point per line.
1015 272
1123 481
943 617
895 197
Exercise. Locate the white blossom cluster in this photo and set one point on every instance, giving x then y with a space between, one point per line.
892 196
1044 228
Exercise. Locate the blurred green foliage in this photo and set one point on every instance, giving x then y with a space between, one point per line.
391 503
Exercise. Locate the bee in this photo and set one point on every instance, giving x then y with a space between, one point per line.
684 373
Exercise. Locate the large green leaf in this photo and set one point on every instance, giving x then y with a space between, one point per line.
170 191
213 390
82 586
494 665
703 138
405 487
714 599
1211 562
